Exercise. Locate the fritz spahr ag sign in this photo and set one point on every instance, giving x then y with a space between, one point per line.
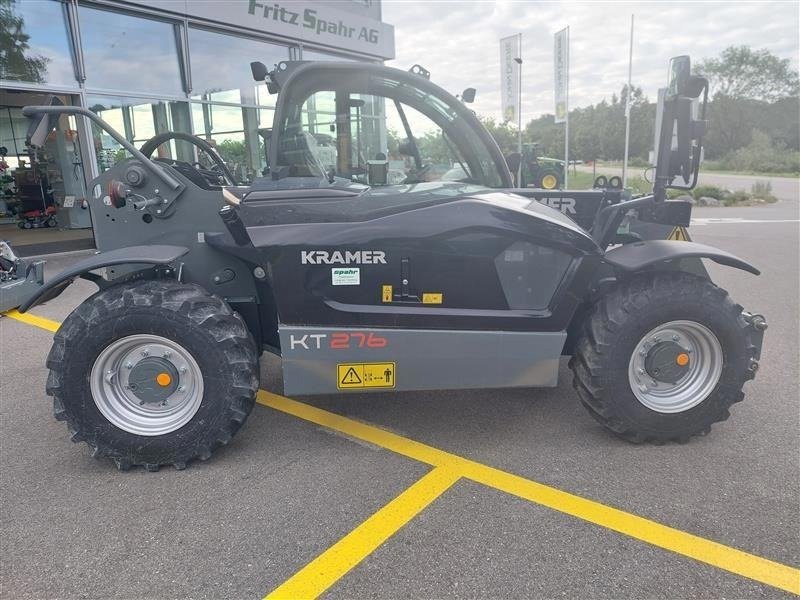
313 22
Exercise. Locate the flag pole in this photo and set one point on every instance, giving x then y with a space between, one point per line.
628 112
519 111
566 120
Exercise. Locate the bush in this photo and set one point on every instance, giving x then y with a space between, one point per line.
710 191
763 190
737 197
762 156
638 161
672 194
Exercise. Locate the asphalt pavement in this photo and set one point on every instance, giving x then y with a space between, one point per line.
285 490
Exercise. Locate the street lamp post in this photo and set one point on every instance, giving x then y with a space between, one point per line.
518 60
628 112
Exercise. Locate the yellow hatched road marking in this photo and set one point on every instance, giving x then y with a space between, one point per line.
330 566
713 553
449 467
32 319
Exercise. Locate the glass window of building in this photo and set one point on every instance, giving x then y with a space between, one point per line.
34 43
13 129
139 120
221 67
131 54
238 133
230 110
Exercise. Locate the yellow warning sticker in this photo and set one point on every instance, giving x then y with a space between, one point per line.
679 234
365 375
386 293
432 298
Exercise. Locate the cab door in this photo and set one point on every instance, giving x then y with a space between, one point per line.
396 285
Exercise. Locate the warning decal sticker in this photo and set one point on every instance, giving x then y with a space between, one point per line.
679 234
432 298
365 375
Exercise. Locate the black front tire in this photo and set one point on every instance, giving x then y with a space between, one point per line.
204 325
616 325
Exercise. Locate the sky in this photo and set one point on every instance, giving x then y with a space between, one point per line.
458 42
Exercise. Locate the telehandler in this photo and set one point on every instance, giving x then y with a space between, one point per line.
361 285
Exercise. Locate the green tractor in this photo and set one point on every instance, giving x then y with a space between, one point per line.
539 171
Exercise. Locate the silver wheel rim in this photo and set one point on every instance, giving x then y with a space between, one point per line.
110 386
705 367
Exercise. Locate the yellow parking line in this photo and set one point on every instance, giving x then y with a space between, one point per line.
382 524
713 553
32 319
330 566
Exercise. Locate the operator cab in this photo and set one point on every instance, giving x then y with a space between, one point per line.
369 124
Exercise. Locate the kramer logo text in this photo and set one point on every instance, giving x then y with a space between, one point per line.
343 257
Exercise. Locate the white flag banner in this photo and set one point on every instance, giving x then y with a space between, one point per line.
509 77
561 72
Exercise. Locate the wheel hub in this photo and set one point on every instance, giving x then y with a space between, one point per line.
153 380
675 366
667 362
146 384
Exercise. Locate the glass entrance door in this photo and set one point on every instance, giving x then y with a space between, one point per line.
43 197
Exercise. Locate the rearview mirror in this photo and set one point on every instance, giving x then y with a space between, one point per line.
41 125
695 86
680 127
259 70
468 95
681 157
680 68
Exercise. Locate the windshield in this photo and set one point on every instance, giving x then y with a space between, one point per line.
381 131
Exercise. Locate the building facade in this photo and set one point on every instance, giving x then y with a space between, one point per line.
152 66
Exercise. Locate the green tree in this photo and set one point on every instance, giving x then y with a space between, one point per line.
752 90
15 63
232 151
503 133
743 73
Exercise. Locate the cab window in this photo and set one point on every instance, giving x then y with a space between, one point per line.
379 141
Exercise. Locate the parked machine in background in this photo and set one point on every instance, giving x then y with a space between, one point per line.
36 206
539 171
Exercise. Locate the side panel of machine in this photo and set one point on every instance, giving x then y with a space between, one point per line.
320 360
464 265
185 222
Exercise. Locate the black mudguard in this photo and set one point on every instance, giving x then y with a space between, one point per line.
131 255
639 256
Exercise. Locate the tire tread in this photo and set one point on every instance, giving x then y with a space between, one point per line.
590 362
203 310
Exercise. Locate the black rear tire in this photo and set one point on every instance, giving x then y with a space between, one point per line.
616 325
202 324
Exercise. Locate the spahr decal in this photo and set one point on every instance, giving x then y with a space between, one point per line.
346 276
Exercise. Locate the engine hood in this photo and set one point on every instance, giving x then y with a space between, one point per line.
522 204
432 208
442 191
